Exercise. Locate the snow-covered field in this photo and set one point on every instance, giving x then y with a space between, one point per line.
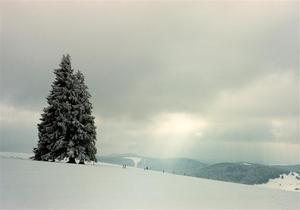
27 184
289 181
15 155
136 160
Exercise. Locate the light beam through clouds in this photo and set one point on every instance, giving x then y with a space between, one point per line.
214 81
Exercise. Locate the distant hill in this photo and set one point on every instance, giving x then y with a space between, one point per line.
182 166
170 165
289 167
244 173
239 172
118 159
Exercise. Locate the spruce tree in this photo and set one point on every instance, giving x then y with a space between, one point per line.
67 128
83 142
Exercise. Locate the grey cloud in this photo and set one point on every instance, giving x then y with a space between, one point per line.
20 139
142 59
141 56
241 132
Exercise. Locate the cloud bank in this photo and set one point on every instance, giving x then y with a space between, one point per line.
214 81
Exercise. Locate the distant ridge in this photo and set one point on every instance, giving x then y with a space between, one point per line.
237 172
295 167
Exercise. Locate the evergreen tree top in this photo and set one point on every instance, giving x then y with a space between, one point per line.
66 61
65 66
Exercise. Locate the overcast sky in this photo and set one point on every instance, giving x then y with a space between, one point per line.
212 81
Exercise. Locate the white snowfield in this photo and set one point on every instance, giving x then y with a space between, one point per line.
27 184
136 160
16 155
289 181
247 164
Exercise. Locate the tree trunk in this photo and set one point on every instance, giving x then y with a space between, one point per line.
71 160
81 162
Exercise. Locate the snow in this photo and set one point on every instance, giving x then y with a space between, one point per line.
27 184
15 155
247 164
285 182
136 160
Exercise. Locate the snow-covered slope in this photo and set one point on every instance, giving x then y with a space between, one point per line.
15 155
289 181
136 160
27 184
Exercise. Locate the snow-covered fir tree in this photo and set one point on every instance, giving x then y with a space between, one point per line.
82 144
67 128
